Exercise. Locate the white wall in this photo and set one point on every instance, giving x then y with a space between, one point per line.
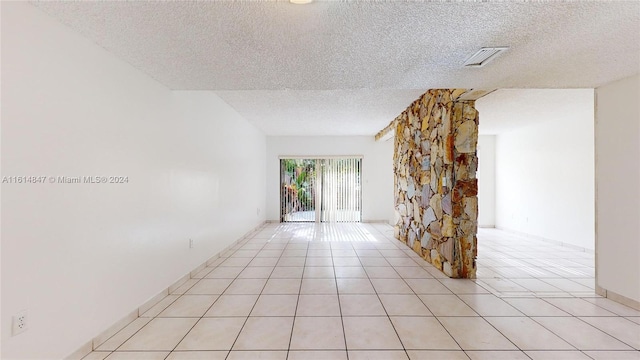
79 257
377 169
545 172
617 133
486 180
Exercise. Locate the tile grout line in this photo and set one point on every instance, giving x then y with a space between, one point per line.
490 324
254 305
500 297
436 317
500 332
335 280
247 317
145 317
577 317
295 312
385 310
433 315
578 269
210 306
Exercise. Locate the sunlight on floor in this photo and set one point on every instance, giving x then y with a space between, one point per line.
351 291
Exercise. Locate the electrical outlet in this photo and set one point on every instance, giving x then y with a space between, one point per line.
190 243
20 323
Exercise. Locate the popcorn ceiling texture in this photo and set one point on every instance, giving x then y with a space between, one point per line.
263 56
435 163
260 45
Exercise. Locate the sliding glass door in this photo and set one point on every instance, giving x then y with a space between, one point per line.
322 189
298 190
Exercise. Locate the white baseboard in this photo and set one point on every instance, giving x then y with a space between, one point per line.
539 238
113 329
83 351
176 285
105 335
618 298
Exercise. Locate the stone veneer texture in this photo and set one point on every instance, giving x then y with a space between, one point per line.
436 189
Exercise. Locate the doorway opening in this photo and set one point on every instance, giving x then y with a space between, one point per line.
320 189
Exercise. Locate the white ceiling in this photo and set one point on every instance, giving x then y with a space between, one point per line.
348 68
508 109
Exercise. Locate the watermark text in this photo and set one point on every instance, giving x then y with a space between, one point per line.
49 179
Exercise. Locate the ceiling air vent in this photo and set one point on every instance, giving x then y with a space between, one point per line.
483 56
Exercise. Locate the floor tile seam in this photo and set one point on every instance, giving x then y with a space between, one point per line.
209 308
477 316
379 316
136 351
525 354
444 327
222 293
573 297
225 289
158 315
611 311
203 276
484 319
94 351
554 333
387 313
584 352
183 337
178 296
137 331
248 314
344 332
427 307
603 331
580 351
464 302
561 337
500 298
473 280
295 312
564 278
535 278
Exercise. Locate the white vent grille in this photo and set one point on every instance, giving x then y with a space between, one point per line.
483 56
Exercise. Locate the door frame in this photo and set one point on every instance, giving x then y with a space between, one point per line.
318 180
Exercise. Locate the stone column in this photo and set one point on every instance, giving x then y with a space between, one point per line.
435 162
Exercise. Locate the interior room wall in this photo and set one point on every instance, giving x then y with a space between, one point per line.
486 175
80 256
617 131
545 172
377 169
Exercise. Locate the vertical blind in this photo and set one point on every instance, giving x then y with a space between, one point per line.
298 189
327 190
341 195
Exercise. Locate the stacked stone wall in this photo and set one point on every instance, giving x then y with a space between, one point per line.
435 163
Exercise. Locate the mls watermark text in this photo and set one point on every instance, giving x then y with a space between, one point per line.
49 179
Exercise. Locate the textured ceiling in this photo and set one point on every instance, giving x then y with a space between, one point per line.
507 109
347 68
321 112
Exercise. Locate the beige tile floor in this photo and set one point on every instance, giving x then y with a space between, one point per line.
351 291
